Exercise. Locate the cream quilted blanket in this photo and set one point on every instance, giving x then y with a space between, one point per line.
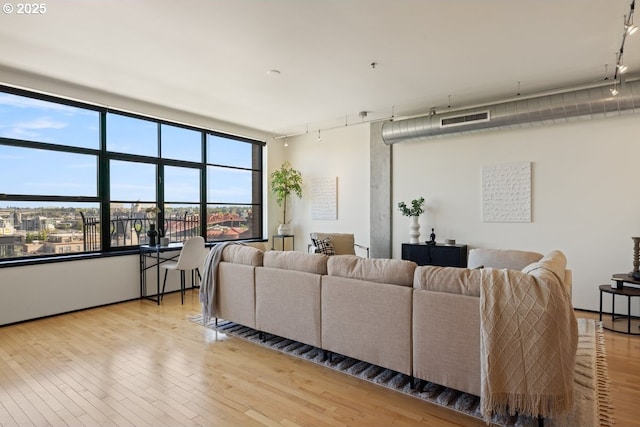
528 340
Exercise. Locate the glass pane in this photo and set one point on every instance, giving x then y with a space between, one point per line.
41 121
129 223
132 181
231 222
30 229
181 221
228 152
225 185
47 173
130 135
181 144
181 184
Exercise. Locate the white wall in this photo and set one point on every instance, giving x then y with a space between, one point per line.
584 194
34 291
343 153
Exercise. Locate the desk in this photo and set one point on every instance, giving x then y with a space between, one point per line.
282 237
150 257
628 293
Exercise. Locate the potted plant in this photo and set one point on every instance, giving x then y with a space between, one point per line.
416 209
285 181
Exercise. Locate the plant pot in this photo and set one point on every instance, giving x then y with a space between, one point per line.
152 233
284 229
414 230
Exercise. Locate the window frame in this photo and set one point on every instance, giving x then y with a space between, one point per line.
104 157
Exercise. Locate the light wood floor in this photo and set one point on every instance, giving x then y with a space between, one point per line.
140 364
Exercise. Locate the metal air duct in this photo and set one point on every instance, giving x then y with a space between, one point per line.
572 105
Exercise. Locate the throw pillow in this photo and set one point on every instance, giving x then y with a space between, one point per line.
324 246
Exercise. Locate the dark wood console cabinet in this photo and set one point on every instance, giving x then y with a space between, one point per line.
438 254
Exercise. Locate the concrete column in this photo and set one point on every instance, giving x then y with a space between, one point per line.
380 210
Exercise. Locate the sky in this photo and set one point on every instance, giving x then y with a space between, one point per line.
43 172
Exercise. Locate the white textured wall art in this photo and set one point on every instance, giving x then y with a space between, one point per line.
324 198
506 192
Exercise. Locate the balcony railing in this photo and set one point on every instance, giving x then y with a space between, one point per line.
132 231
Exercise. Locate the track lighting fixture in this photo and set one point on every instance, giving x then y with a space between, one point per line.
319 137
628 23
629 28
614 90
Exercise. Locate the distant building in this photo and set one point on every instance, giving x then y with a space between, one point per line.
38 223
11 246
17 219
6 226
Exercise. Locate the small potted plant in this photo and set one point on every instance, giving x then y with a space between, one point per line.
413 212
284 182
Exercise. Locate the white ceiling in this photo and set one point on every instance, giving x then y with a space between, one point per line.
211 57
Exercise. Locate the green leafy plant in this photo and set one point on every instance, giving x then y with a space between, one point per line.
285 181
417 207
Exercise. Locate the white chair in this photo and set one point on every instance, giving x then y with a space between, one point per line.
191 258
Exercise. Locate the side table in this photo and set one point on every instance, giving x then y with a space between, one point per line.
631 324
437 254
282 237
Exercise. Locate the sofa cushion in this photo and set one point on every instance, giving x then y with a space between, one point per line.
391 271
324 246
453 280
299 261
241 254
501 258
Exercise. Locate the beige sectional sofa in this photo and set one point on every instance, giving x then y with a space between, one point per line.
421 321
366 310
287 289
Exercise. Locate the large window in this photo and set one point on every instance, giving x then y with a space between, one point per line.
78 178
233 185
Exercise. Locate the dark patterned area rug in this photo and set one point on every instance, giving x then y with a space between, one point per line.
592 401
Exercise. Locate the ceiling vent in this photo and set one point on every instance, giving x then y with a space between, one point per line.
560 107
464 120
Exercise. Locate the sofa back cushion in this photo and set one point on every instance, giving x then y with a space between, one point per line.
501 258
241 254
391 271
299 261
453 280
